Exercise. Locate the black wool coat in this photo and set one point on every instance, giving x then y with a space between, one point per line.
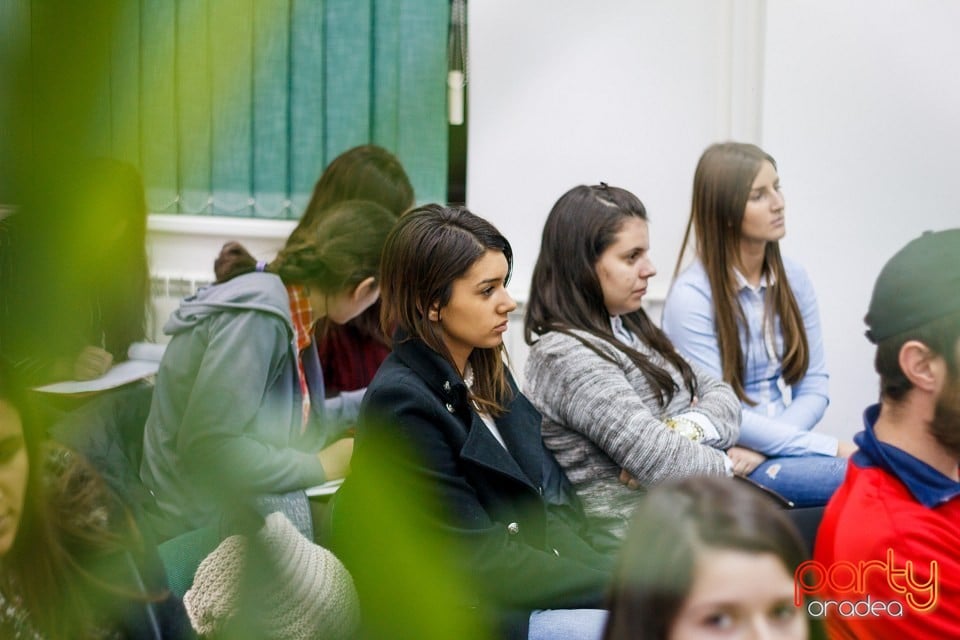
516 529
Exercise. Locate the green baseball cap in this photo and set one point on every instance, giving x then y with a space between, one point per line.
919 284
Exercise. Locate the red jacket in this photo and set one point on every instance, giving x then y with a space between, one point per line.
903 517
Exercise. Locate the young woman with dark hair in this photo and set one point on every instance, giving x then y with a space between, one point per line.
621 408
352 352
749 316
367 172
71 558
78 287
444 415
238 408
708 558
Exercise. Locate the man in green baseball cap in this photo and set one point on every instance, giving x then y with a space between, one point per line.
896 517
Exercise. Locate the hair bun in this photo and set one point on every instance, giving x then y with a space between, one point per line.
233 260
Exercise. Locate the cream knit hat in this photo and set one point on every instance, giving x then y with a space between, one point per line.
308 593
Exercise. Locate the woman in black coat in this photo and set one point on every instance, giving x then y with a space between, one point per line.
444 425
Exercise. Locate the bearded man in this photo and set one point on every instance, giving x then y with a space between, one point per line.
887 556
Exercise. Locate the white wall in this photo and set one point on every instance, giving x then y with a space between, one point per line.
857 100
575 92
188 245
861 108
181 251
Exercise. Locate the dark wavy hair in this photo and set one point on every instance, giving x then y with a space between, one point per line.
430 248
672 525
566 294
338 252
721 186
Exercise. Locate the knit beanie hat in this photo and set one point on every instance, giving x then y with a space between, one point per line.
919 284
306 593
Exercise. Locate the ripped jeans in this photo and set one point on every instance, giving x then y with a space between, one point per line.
807 481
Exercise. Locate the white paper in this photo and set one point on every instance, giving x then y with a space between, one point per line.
325 489
144 361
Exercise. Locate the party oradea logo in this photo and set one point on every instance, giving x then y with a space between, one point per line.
918 592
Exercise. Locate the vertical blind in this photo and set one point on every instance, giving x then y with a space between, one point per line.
234 107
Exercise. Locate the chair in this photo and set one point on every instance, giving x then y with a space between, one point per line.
181 555
807 521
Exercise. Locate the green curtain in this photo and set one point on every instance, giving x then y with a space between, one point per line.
14 108
234 107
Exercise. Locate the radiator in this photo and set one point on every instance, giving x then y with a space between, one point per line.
166 291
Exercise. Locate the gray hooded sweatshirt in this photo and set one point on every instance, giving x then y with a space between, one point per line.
225 421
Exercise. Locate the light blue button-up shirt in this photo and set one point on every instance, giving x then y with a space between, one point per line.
780 423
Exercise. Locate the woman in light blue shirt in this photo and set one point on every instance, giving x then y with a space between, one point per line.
749 316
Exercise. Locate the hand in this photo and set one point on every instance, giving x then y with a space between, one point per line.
846 449
336 459
745 460
92 363
629 480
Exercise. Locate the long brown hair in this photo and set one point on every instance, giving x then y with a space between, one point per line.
428 249
335 254
367 172
565 292
721 186
34 564
73 531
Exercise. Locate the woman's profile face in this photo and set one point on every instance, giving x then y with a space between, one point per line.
476 315
763 219
739 594
624 267
14 469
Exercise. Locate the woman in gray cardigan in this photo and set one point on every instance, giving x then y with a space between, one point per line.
622 410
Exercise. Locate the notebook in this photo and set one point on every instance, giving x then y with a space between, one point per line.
143 361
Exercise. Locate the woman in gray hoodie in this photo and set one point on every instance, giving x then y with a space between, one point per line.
237 412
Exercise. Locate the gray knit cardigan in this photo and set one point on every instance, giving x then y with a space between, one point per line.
600 417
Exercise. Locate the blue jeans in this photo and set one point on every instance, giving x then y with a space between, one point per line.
807 481
567 624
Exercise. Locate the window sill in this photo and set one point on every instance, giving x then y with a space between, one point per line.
219 226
